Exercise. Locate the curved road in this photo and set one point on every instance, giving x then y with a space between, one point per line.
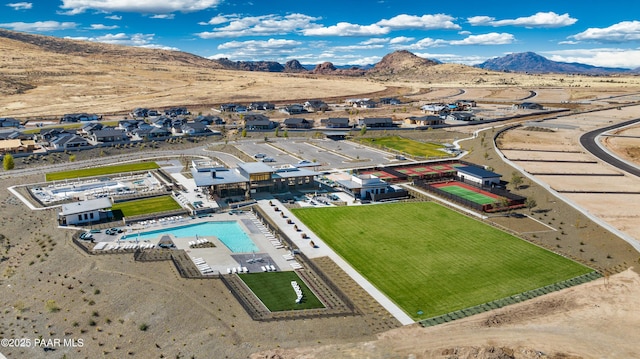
590 143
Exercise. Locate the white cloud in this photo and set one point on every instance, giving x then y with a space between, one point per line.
424 22
138 40
492 38
74 7
424 43
20 5
103 27
620 32
114 17
258 44
164 16
259 25
258 50
464 33
347 29
359 47
401 39
220 19
540 19
605 57
39 26
375 40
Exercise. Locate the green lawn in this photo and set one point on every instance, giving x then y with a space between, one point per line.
433 260
405 145
275 291
100 171
144 206
469 194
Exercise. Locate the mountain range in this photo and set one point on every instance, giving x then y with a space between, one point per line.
403 63
400 64
530 62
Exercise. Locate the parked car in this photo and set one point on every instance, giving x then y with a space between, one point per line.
86 236
259 155
268 159
304 162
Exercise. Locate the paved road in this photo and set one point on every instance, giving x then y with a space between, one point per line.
590 142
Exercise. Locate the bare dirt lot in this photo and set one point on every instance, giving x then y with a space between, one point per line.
526 148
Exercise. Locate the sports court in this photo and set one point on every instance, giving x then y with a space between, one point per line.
469 193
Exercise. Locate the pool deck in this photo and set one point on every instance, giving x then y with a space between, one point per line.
219 258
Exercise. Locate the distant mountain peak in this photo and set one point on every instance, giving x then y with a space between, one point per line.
399 62
533 63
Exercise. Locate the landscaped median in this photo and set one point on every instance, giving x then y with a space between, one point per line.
101 171
431 260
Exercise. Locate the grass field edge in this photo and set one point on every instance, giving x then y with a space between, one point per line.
513 299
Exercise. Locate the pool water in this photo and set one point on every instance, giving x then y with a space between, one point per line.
228 232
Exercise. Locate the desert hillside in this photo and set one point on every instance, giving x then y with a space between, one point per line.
43 76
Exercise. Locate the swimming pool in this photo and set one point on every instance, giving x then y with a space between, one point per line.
228 232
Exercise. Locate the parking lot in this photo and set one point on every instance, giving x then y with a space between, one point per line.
328 154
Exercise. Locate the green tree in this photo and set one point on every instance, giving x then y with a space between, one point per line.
530 203
277 132
8 163
244 132
286 134
363 130
516 180
72 158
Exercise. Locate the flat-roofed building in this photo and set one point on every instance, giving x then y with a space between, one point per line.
84 212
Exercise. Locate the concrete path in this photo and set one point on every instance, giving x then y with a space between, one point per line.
322 250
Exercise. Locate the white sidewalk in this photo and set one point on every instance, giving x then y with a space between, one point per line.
323 250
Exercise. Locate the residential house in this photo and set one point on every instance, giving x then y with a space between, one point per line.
259 124
130 125
195 128
90 127
466 104
140 112
209 120
294 122
530 106
373 122
336 122
315 106
429 120
293 109
176 111
109 134
261 106
69 141
17 145
435 109
228 107
461 116
47 134
389 101
151 133
12 135
162 122
79 117
9 122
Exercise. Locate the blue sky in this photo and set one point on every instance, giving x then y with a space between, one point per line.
346 32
